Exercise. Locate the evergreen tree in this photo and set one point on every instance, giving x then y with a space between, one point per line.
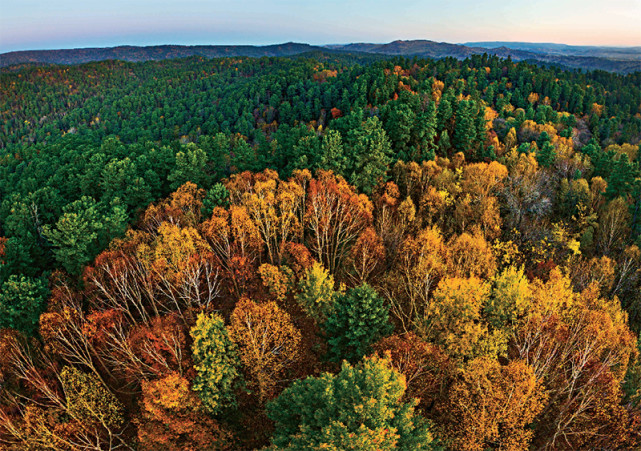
371 155
361 407
22 300
359 318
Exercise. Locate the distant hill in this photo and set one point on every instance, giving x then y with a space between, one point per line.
623 60
582 59
617 53
156 52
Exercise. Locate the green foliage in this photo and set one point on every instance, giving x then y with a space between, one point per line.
22 300
84 228
361 407
332 153
217 196
216 363
546 153
191 166
359 318
371 155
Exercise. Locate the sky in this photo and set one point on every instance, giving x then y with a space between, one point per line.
37 24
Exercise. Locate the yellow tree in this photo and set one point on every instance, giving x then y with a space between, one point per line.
489 405
422 262
454 320
268 343
580 346
470 255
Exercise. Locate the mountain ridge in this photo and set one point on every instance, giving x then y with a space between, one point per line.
616 59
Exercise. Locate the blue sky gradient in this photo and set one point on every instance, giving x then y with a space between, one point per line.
31 24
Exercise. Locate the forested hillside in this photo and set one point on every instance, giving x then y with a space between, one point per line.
330 251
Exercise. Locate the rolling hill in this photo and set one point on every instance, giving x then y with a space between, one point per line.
623 60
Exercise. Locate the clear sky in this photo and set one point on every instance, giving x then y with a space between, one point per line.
37 24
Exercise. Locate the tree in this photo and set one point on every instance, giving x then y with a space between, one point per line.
172 418
89 401
216 363
316 292
84 227
335 215
453 320
22 300
546 153
426 367
464 131
510 299
359 319
580 346
332 153
371 155
359 408
217 196
367 254
268 343
421 264
490 405
191 166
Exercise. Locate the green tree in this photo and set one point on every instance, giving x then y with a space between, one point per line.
22 300
332 153
216 363
84 228
464 131
217 196
371 155
359 318
360 408
546 154
191 166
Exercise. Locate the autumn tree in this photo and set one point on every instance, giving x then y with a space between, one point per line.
216 363
454 320
490 405
317 294
427 367
335 216
580 346
173 418
268 343
422 262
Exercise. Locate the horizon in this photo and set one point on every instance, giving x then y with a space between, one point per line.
68 24
467 43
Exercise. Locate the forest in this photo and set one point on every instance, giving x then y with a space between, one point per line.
327 251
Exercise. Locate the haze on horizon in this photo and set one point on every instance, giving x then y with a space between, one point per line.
34 24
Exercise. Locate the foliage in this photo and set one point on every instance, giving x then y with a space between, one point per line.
359 408
317 295
22 299
359 319
268 343
172 418
216 363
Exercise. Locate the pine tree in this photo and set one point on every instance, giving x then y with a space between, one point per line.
362 407
359 318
